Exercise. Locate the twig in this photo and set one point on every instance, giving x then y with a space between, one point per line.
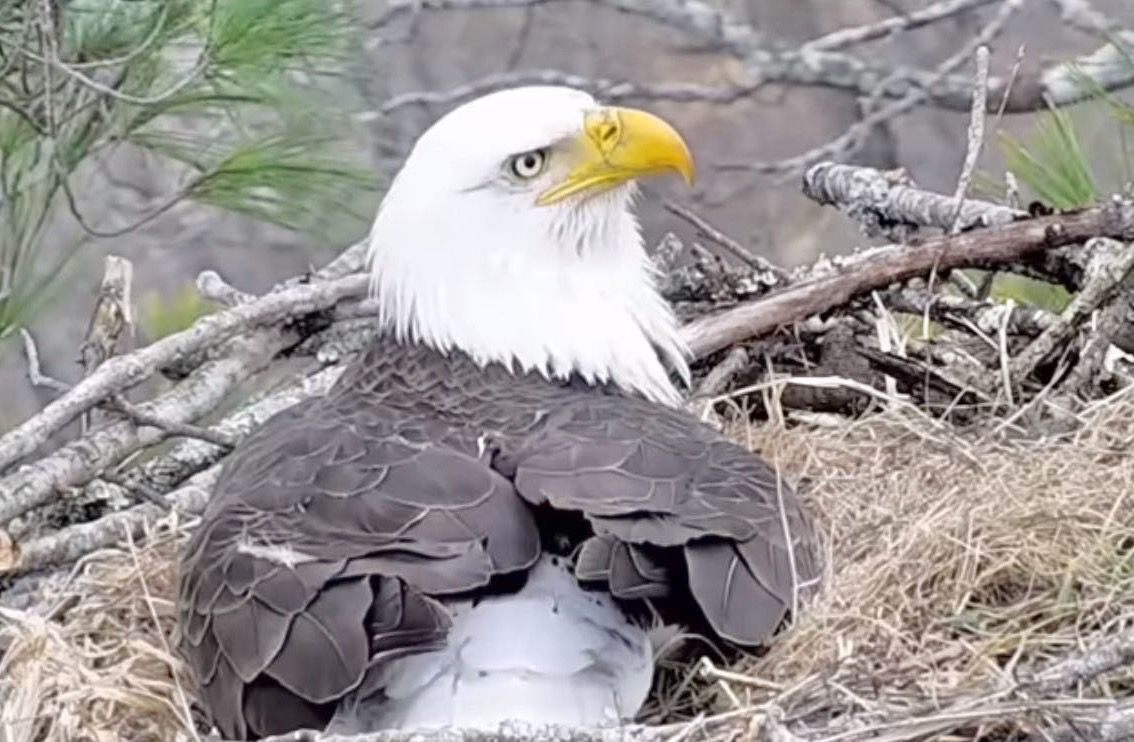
972 150
35 371
121 372
1114 268
975 137
169 427
938 11
880 267
723 240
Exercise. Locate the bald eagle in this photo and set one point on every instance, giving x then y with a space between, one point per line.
465 530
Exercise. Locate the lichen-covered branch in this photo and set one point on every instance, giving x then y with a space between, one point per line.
123 372
74 464
882 202
193 460
1114 265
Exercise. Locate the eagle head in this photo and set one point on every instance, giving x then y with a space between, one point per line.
509 235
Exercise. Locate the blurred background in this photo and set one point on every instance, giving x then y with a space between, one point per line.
253 137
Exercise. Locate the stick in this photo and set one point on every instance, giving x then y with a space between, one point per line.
728 243
35 372
75 541
1100 289
121 372
976 135
869 196
879 267
171 427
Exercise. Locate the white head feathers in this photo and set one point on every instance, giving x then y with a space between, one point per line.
462 255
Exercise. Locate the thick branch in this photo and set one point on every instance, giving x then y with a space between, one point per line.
879 267
79 462
75 541
878 201
122 372
71 543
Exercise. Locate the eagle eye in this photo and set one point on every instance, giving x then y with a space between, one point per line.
528 165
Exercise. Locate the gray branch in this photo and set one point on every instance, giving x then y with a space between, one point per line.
817 63
70 543
122 372
879 201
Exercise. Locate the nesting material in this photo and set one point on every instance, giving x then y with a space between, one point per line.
980 585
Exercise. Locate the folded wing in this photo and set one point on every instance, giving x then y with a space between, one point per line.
331 534
652 482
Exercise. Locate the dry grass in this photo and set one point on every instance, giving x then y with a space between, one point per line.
99 665
960 565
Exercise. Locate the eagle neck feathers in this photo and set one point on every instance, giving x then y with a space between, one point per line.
582 301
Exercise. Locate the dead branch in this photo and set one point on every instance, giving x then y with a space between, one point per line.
111 327
507 733
169 427
122 372
818 63
929 15
880 202
191 461
881 266
1105 280
36 376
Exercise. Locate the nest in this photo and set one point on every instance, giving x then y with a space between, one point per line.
977 587
980 575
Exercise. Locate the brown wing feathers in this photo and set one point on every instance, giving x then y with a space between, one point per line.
337 530
651 477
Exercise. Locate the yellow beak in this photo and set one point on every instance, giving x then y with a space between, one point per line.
618 145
